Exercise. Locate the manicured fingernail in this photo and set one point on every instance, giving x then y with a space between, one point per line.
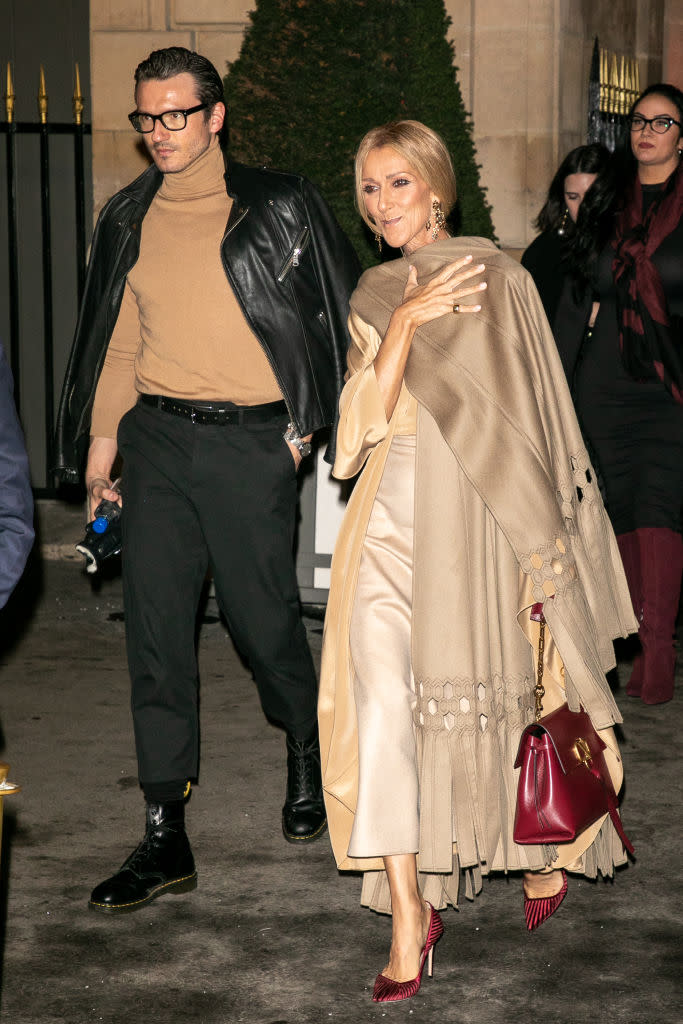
477 309
483 285
480 267
468 258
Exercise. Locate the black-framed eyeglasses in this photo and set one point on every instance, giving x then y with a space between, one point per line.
660 125
172 120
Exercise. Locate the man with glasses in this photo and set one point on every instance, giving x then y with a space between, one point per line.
210 348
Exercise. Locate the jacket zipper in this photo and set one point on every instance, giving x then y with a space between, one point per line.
238 220
298 250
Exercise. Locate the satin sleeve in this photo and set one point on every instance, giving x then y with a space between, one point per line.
362 419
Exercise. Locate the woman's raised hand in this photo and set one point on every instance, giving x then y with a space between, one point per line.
422 303
441 295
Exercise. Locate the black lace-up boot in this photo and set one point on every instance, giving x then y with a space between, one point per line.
303 815
162 863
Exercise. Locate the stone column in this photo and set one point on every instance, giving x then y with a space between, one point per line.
524 67
672 70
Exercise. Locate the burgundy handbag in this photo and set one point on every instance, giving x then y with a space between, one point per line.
564 783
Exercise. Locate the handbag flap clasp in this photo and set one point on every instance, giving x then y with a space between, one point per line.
572 736
583 752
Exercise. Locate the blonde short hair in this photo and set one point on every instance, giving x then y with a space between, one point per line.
425 152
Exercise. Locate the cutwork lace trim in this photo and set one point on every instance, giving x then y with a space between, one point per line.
551 567
467 706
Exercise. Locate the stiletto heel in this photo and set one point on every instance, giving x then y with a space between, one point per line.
387 990
539 909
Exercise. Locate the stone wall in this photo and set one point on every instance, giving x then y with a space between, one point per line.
523 68
673 42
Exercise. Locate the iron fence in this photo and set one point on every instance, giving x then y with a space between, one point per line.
613 87
42 278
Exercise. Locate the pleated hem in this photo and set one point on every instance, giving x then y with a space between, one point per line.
443 889
467 736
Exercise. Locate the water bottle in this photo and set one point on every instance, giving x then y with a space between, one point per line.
103 535
105 514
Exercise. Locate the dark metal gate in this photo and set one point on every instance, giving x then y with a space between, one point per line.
45 190
613 87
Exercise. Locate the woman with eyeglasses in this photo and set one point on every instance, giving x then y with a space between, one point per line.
628 383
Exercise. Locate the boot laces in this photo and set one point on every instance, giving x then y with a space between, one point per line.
147 847
302 759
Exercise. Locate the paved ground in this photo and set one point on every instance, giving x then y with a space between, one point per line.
274 934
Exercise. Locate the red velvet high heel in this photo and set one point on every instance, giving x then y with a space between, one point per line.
538 909
387 990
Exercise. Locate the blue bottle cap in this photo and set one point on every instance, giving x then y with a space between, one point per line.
100 524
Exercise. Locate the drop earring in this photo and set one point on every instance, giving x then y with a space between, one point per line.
562 228
378 239
439 219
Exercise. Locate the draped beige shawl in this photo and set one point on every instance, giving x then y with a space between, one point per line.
507 513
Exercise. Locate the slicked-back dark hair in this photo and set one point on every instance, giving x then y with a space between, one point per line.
177 60
670 92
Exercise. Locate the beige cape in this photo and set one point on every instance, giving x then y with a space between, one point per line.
506 514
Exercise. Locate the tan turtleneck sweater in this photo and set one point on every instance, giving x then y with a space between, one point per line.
180 331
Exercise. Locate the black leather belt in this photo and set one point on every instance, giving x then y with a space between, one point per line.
217 413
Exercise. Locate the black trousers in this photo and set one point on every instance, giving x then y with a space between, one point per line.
194 495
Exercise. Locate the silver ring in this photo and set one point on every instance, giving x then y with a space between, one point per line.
456 307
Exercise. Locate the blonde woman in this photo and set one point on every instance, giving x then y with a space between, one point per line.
475 503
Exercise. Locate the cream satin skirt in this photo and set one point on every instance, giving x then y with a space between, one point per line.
387 814
387 817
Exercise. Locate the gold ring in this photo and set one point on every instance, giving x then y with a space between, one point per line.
456 307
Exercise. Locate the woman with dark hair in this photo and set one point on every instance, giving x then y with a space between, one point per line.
475 508
575 222
628 384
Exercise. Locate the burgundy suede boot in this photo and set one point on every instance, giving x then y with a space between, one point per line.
661 560
630 556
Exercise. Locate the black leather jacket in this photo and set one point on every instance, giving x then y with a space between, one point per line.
292 270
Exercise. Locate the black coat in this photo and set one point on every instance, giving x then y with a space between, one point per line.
566 311
291 268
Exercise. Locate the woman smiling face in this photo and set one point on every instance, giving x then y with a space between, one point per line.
398 200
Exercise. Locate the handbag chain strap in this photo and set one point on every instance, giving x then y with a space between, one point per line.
539 689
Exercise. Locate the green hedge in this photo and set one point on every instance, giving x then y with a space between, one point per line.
314 75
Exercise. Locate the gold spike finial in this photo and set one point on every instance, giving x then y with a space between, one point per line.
9 95
622 83
614 83
630 83
42 97
78 99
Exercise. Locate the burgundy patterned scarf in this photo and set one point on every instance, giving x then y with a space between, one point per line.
648 346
